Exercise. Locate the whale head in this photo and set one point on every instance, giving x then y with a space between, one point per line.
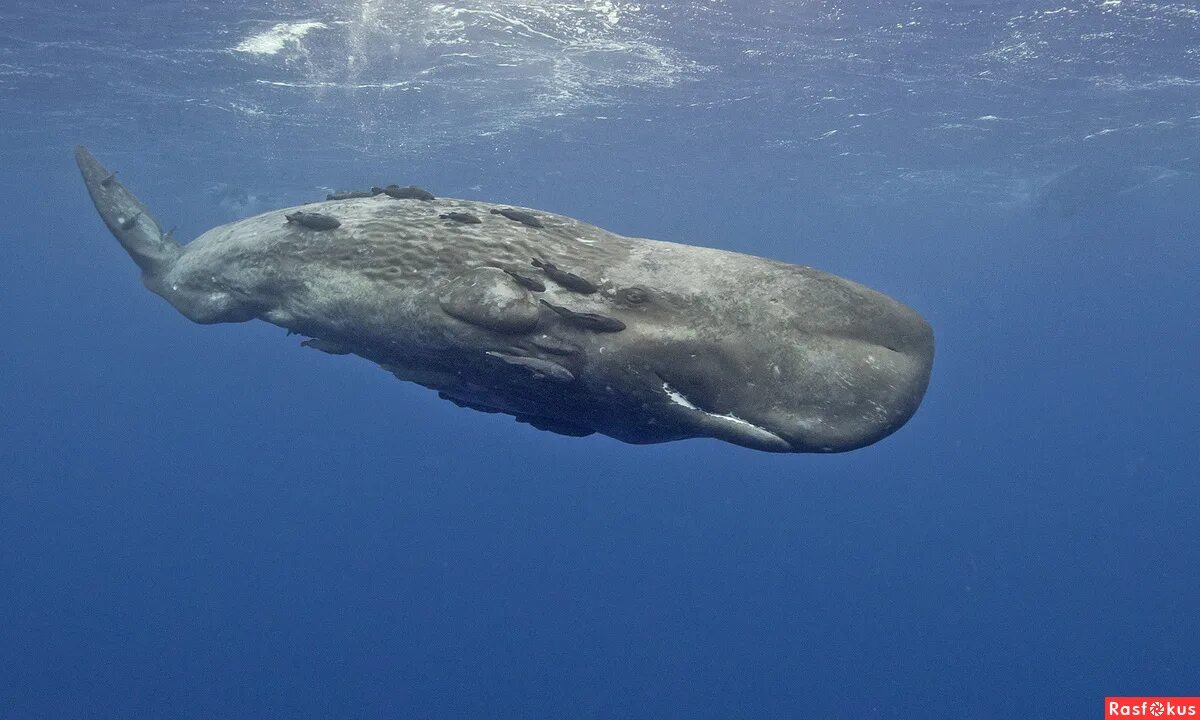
769 355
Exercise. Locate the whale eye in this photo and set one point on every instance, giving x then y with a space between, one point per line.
635 295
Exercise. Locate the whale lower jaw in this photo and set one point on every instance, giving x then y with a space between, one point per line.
727 426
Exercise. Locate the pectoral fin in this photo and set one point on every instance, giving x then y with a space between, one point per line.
490 298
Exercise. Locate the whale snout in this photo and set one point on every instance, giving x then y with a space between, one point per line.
875 391
850 387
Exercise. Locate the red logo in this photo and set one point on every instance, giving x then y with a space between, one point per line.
1151 707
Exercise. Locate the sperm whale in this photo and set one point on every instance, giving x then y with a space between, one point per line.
561 324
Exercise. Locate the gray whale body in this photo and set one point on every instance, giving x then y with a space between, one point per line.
566 326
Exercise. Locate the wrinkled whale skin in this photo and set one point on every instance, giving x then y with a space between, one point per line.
690 341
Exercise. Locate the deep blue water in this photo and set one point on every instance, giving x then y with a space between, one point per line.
210 522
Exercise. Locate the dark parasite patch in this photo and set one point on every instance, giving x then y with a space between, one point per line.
108 181
520 216
350 195
590 321
461 217
411 192
314 221
570 281
527 282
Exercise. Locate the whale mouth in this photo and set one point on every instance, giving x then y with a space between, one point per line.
728 426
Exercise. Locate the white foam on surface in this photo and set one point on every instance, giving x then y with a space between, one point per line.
279 37
499 64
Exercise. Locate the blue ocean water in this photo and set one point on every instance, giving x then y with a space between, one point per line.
210 522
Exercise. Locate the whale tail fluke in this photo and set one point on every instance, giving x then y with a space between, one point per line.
127 218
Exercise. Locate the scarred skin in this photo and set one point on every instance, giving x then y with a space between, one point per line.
675 341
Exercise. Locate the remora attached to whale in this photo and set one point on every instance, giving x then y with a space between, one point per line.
566 326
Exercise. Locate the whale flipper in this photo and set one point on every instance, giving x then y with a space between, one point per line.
490 298
157 253
129 220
